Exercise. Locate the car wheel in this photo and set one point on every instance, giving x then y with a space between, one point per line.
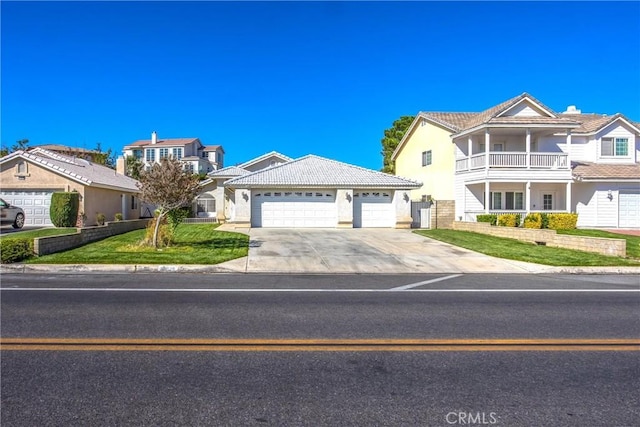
19 222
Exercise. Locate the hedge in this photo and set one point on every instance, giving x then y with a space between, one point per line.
563 221
15 249
509 220
64 209
490 218
533 220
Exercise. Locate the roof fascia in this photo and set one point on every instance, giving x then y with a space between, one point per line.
513 126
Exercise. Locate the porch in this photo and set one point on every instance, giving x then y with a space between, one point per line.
513 198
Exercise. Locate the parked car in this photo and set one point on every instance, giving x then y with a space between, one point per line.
9 214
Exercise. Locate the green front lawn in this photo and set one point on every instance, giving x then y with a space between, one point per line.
522 251
195 244
43 232
633 242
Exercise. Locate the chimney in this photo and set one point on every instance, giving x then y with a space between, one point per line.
154 137
571 109
121 165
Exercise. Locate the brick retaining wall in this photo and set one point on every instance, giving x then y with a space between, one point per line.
604 246
53 244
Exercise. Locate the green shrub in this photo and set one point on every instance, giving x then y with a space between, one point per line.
176 216
545 220
490 218
533 220
64 209
117 217
15 250
100 218
563 221
509 220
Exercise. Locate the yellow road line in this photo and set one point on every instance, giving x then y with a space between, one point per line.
261 345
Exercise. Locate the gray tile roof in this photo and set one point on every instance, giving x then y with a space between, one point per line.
229 171
265 156
318 172
80 170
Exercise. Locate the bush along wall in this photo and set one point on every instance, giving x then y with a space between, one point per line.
533 220
15 250
562 221
64 209
509 220
490 218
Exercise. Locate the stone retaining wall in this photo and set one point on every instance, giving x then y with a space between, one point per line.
604 246
53 244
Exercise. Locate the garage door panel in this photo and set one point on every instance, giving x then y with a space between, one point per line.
629 209
373 210
35 203
280 208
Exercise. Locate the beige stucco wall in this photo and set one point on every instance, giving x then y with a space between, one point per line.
437 178
93 200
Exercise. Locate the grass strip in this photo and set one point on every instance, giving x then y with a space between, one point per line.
194 244
523 251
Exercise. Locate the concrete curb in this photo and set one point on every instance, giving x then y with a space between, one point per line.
240 266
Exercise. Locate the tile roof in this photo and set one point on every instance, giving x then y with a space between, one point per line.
315 172
594 171
64 148
265 156
80 170
163 142
212 148
229 171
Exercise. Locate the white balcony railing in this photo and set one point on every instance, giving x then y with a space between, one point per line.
514 160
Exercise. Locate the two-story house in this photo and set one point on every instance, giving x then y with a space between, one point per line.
196 157
520 156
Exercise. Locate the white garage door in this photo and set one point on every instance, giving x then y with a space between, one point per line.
629 209
373 209
35 204
291 208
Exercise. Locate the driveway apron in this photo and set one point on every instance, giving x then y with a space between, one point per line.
365 251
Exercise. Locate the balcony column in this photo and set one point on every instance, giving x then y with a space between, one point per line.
527 197
528 148
469 151
487 196
487 144
568 196
569 148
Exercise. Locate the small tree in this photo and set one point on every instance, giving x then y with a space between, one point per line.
167 186
133 167
390 141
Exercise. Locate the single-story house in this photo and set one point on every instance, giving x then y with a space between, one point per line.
29 178
313 191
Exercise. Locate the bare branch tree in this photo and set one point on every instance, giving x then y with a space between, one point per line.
168 186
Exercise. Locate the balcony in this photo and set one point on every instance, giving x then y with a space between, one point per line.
514 160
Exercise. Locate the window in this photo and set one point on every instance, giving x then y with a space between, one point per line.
498 147
614 147
426 158
205 205
164 153
21 168
150 155
134 203
495 199
204 154
547 202
514 200
177 153
137 154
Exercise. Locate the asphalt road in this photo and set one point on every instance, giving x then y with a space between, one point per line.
352 386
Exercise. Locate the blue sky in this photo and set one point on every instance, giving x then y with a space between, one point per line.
324 78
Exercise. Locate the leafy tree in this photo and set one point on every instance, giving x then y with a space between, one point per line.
167 186
22 144
392 138
133 167
107 158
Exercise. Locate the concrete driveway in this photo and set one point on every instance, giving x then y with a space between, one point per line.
365 251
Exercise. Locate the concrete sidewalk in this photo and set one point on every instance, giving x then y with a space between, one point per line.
348 251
